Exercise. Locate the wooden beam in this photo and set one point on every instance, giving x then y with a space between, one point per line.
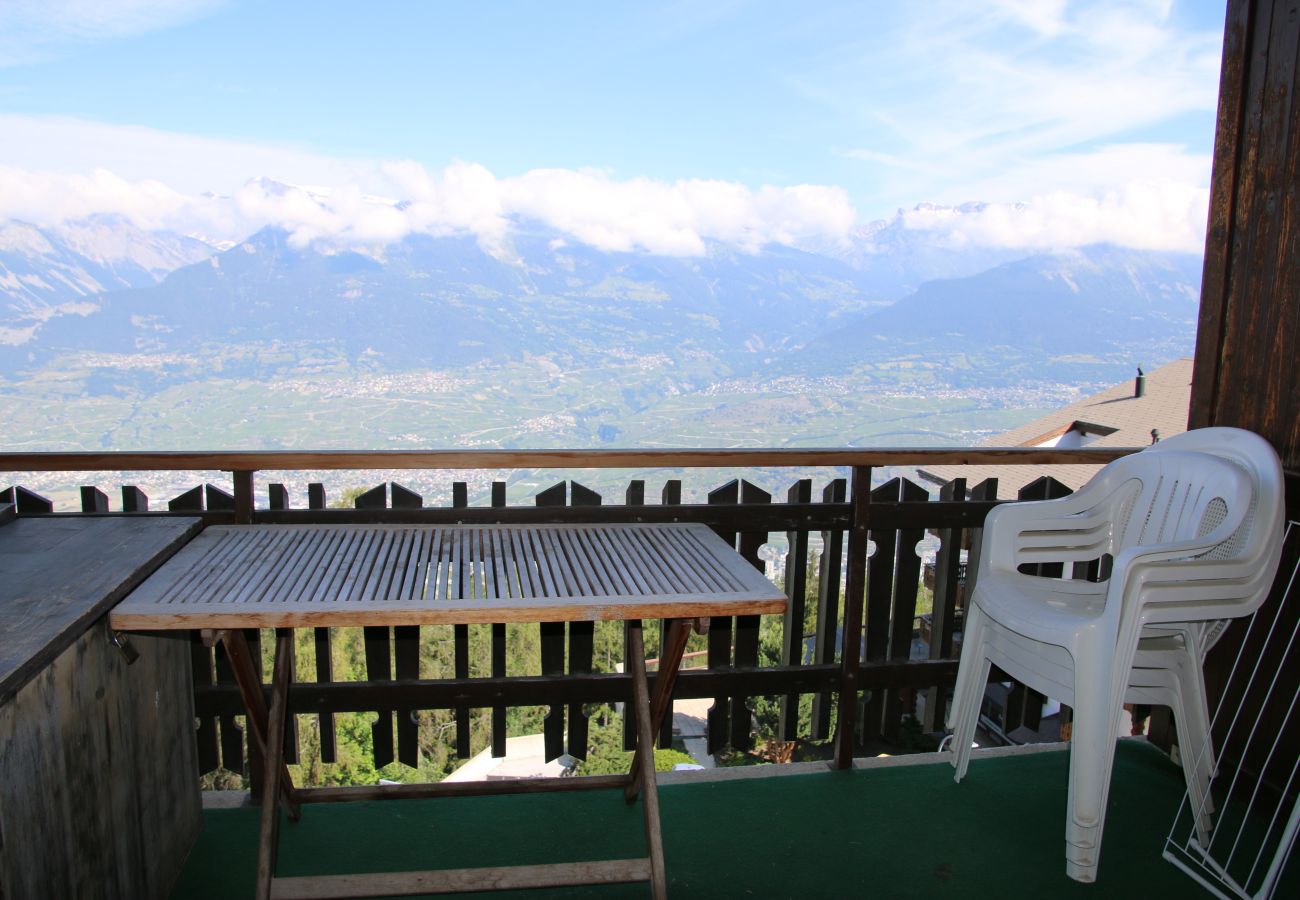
282 460
460 881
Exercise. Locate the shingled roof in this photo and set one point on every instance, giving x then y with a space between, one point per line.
1114 418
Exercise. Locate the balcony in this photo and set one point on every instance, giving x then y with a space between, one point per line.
844 676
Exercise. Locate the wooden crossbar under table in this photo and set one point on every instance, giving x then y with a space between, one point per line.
287 576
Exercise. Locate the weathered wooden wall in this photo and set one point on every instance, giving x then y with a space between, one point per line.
97 763
1248 338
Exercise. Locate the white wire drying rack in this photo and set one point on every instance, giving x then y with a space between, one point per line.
1241 849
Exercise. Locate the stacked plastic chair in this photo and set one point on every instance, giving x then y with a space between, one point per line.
1191 529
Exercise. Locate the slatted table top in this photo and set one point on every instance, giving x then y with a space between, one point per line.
261 576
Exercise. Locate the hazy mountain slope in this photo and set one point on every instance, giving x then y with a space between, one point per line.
45 272
897 259
437 302
1087 315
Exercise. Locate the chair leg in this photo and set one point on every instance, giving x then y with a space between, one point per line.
1196 747
1092 753
968 693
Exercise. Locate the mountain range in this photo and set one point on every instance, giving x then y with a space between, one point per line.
104 286
51 271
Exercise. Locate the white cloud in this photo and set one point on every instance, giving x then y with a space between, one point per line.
1147 216
34 30
640 214
1067 199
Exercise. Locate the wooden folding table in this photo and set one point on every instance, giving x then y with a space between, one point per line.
288 576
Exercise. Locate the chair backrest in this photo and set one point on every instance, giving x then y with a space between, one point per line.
1248 557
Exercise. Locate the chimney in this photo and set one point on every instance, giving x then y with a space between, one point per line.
1140 386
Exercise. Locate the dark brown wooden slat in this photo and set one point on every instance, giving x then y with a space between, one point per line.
93 500
28 503
375 498
217 498
747 627
907 581
190 501
581 495
581 641
880 583
244 502
499 629
316 495
134 499
943 616
277 496
256 758
635 493
406 652
379 668
719 638
325 675
552 649
792 626
404 498
232 736
254 639
554 495
205 735
460 640
854 598
635 496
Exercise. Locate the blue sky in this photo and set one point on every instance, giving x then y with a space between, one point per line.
1098 115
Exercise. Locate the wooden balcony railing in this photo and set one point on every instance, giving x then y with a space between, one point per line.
857 664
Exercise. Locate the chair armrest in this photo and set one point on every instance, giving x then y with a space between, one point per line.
1071 528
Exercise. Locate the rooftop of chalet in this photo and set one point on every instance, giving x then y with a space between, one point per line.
1115 417
887 828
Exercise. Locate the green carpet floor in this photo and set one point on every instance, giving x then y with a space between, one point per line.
895 832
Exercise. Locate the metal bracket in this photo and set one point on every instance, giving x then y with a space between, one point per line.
123 643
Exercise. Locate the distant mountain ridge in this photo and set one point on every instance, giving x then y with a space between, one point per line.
444 301
871 303
1062 315
50 271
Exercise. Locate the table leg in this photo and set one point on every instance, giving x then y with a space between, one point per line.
645 760
250 689
678 631
270 830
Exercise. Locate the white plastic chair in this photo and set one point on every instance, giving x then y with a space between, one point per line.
1193 529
